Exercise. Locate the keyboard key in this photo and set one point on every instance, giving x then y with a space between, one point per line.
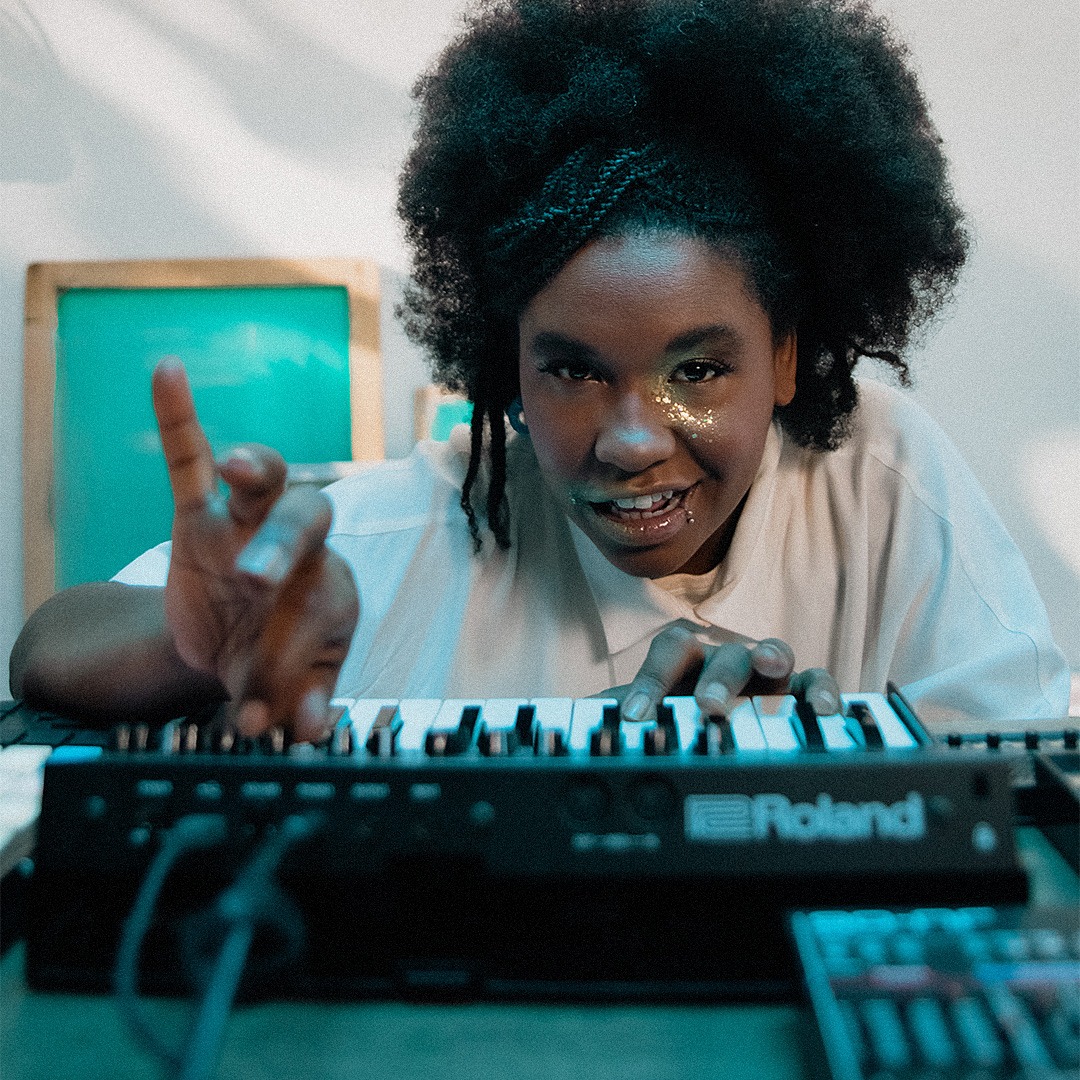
885 1033
746 732
588 716
688 718
894 733
978 1035
417 715
553 719
931 1033
776 715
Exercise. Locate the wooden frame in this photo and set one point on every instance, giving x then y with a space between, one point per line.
45 282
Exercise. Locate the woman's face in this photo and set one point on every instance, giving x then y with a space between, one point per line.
649 373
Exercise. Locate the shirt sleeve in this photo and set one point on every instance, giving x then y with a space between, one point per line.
961 620
150 568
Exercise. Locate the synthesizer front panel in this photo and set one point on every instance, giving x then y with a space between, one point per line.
539 848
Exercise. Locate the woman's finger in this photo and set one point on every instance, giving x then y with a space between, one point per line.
192 474
818 689
726 672
773 660
256 478
294 529
673 654
293 666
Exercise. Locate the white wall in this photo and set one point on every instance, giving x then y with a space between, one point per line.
154 128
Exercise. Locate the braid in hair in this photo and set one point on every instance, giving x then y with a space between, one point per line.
593 192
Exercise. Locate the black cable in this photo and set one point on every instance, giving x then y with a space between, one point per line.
252 899
190 832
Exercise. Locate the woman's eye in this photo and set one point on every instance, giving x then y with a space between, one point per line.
697 371
571 372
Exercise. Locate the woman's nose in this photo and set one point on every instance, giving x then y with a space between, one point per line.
634 437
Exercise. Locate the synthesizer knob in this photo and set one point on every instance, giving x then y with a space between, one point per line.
1071 738
341 741
606 740
382 741
495 743
1031 740
550 742
993 740
664 738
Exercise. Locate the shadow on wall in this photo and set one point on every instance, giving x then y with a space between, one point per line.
288 90
1001 377
35 132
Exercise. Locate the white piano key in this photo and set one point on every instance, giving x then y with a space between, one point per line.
835 734
776 715
554 714
500 714
362 715
588 716
416 717
633 734
746 732
894 734
448 718
20 800
688 719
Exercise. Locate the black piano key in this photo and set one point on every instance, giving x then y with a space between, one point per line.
606 740
525 725
811 729
382 739
664 738
865 719
449 743
714 736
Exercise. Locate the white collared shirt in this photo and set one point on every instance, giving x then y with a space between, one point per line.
880 561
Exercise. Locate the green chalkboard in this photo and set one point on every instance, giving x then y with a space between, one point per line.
267 364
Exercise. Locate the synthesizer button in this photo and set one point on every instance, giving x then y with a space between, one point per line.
587 801
653 799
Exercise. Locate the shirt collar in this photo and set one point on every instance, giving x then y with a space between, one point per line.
632 609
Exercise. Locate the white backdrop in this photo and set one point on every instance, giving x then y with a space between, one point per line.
156 129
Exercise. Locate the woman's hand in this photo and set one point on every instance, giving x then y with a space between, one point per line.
678 663
253 595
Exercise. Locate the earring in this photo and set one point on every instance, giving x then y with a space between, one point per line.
515 413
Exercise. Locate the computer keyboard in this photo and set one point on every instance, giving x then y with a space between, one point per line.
976 993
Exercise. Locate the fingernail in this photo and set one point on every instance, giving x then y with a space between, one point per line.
252 718
771 658
636 706
824 702
266 558
313 715
716 697
241 455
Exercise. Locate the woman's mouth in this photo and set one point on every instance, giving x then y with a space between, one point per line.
641 507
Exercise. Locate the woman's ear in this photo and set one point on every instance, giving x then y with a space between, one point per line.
785 362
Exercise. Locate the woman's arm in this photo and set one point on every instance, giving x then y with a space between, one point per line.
102 652
255 609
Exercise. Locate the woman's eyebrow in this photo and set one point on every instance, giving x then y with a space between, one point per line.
556 346
720 332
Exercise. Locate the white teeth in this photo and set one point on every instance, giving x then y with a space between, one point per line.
643 502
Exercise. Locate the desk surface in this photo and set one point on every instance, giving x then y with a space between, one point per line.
51 1036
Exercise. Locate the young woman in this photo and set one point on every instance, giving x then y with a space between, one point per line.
658 235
